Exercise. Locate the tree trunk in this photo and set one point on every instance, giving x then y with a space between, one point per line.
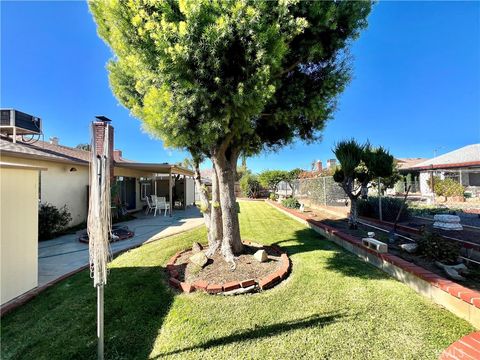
204 203
216 227
225 164
352 220
211 211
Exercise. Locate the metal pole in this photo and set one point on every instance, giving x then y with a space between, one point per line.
100 321
380 199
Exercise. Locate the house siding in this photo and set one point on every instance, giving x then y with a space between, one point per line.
59 186
18 234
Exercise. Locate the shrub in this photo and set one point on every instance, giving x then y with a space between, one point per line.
273 196
249 185
52 220
435 247
291 203
390 207
447 187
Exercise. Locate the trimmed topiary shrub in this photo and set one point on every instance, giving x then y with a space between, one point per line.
390 207
51 220
291 203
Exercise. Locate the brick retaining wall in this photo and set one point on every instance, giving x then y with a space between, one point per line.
463 302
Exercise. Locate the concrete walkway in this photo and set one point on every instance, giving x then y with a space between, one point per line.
65 254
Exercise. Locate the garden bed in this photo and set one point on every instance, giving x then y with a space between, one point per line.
217 277
338 222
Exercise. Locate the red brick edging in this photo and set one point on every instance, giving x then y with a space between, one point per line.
467 348
265 283
469 296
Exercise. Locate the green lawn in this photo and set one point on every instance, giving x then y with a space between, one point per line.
332 306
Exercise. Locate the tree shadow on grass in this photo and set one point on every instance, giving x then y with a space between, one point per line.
304 240
317 320
341 261
350 265
60 323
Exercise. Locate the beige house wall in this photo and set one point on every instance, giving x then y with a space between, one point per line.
18 231
60 186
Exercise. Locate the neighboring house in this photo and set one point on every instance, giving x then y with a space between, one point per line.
462 165
66 181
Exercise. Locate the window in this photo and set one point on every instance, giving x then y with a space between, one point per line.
145 190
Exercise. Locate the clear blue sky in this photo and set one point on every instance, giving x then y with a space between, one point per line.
416 83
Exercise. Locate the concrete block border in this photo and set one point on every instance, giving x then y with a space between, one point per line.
462 301
232 287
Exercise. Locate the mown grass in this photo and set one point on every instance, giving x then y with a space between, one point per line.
332 306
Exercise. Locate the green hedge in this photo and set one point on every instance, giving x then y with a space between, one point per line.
390 208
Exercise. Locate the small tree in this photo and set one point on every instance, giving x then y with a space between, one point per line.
237 76
270 179
359 165
250 185
290 177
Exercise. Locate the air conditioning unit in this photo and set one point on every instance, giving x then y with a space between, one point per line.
14 122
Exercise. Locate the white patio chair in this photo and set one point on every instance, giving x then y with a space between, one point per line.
150 205
161 204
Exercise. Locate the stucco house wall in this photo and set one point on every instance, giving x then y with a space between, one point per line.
18 230
59 186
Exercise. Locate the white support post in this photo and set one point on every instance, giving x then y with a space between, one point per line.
170 190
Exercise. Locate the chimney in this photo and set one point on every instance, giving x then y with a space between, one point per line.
54 140
99 127
117 154
331 163
318 166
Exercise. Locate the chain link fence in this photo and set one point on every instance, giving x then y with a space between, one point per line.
319 191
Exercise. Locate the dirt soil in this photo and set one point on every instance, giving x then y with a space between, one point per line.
217 270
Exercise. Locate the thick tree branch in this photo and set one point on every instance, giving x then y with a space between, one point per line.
290 68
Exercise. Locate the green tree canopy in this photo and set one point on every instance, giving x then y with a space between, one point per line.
226 77
270 179
359 165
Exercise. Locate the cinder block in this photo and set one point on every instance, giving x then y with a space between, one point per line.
375 245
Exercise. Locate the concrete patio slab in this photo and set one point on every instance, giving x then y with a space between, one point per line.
65 254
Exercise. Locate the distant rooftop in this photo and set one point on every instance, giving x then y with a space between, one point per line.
464 157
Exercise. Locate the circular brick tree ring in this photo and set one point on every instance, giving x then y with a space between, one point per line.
232 287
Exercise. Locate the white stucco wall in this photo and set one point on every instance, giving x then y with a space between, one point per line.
59 186
18 231
424 178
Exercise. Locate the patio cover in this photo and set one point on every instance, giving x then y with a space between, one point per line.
159 168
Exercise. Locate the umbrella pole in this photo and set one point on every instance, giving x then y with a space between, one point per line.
100 321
